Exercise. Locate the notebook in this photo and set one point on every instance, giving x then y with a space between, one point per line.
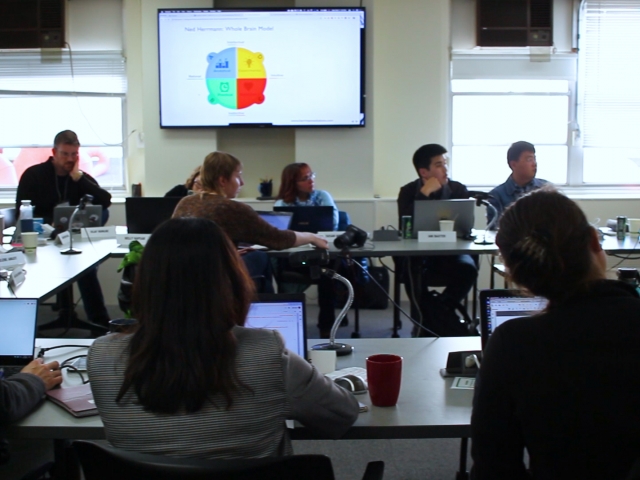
498 306
17 333
91 216
285 313
280 220
309 219
77 400
428 213
144 214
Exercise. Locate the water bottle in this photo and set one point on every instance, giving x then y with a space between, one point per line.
26 216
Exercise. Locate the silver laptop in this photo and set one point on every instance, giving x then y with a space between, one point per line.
428 213
91 216
285 313
18 323
498 306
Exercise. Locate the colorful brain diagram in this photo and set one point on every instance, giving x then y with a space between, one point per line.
236 78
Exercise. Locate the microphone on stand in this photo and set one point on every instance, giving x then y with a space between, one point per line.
81 206
341 349
482 198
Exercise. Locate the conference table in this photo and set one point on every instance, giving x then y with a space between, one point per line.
427 406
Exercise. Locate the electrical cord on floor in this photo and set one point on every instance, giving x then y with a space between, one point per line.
419 325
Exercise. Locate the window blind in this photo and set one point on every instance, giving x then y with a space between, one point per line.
610 73
63 71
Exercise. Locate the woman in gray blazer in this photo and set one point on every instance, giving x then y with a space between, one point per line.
191 381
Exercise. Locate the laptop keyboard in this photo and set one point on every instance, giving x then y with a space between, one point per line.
8 371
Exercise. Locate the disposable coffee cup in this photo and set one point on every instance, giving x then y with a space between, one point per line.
323 360
384 374
446 225
634 226
30 241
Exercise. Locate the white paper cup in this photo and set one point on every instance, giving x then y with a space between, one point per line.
323 360
30 241
634 226
446 225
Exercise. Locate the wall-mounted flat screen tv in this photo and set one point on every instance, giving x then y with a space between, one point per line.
271 67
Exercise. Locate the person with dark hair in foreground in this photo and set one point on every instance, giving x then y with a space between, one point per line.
562 384
521 158
459 271
191 380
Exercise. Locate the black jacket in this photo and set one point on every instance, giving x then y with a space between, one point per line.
38 184
411 192
563 384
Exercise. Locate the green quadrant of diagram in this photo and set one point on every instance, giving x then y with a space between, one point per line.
222 91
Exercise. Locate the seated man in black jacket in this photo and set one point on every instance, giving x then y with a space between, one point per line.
459 271
57 181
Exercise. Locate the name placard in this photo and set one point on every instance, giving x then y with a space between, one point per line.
126 238
98 232
63 239
437 237
12 259
330 235
17 277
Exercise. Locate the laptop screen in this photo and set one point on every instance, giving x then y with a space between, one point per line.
310 219
499 306
428 213
18 317
280 220
144 214
284 313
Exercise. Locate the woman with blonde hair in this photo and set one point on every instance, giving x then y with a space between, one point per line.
221 179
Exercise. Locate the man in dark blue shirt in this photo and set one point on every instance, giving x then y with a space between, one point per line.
521 158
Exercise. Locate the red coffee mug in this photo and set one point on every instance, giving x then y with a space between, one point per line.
384 372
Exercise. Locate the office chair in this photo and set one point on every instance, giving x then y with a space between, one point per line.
498 268
101 462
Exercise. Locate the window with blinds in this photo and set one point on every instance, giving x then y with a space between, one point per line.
609 91
43 93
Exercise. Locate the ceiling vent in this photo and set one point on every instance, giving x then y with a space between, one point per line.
514 23
32 24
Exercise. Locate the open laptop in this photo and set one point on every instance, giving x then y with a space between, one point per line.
18 320
91 216
285 313
428 213
144 214
309 219
498 306
280 220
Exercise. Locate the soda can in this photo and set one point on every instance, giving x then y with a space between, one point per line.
621 227
407 227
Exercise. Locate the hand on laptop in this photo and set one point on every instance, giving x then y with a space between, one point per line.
50 373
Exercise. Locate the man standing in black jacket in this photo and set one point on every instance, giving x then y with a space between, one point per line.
459 272
58 181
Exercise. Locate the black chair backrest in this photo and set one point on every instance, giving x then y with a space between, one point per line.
101 462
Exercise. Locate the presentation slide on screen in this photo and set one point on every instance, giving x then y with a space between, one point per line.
277 67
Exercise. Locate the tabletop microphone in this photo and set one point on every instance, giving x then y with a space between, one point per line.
81 206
